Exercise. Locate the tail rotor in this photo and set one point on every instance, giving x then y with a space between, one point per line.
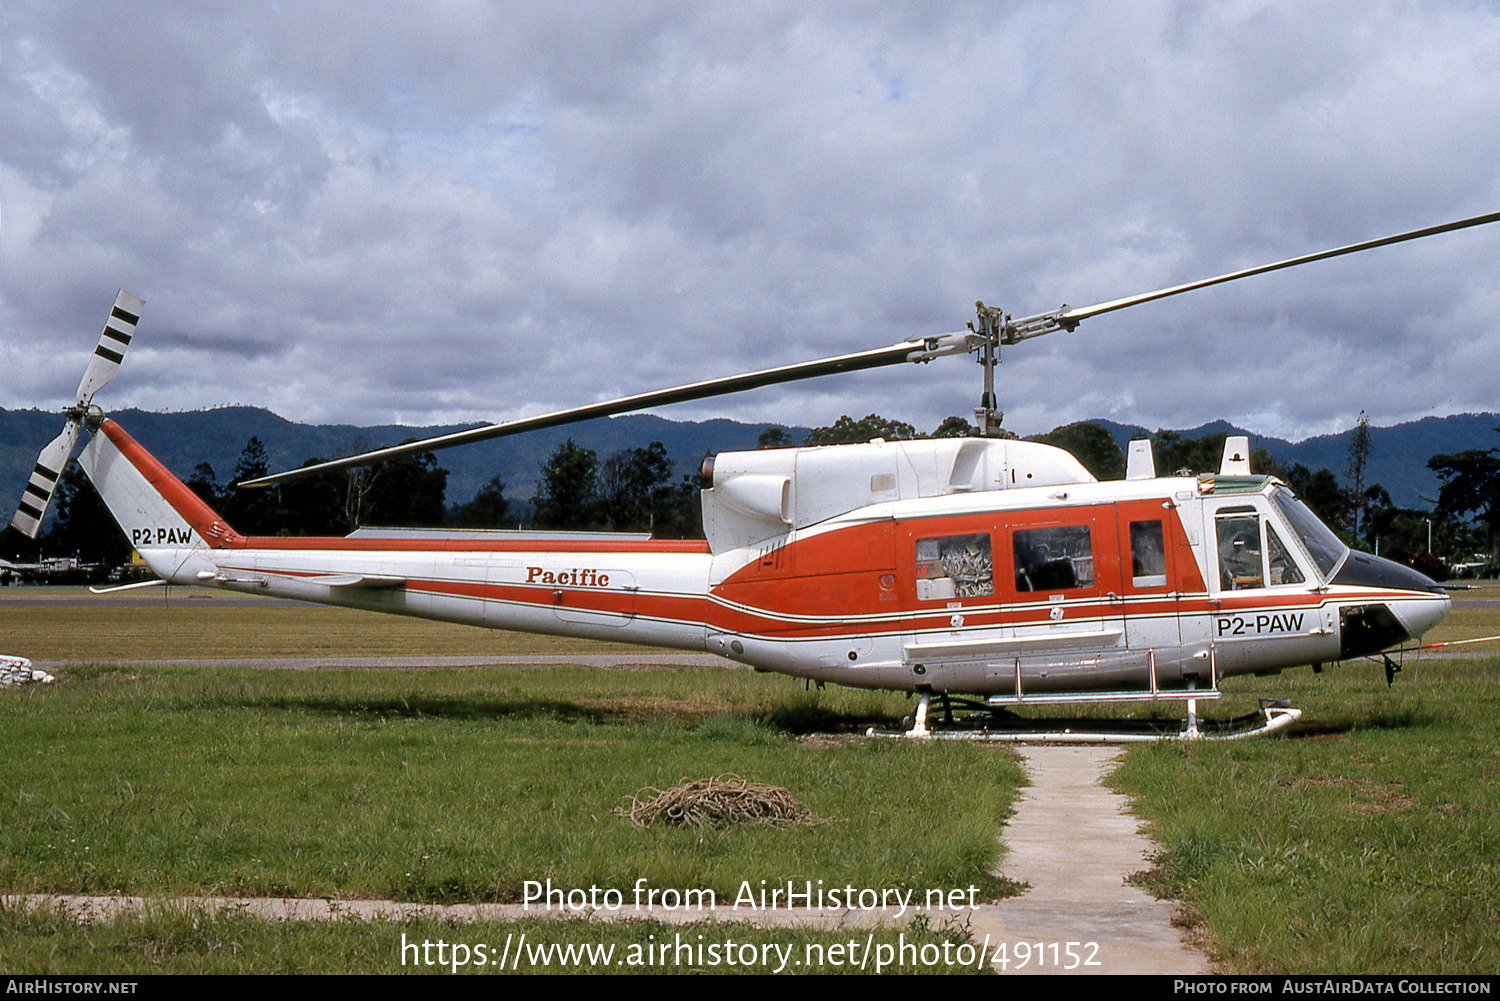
102 366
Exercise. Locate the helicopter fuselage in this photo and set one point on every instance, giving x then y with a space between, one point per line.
965 566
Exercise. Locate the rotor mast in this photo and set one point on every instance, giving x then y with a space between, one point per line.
996 328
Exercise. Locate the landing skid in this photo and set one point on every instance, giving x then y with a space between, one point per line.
998 724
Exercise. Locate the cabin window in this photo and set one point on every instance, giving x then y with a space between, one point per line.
954 566
1054 559
1283 569
1148 554
1240 564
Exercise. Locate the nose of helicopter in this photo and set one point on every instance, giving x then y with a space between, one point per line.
1411 605
1417 615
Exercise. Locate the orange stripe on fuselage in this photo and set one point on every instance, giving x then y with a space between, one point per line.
278 542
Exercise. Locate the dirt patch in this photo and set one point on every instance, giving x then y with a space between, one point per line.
1379 797
823 741
644 708
1386 802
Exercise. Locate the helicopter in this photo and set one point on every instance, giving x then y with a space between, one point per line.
983 571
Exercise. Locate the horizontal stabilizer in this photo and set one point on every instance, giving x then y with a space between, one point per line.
134 586
374 581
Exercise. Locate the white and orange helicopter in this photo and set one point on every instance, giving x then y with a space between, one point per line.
985 571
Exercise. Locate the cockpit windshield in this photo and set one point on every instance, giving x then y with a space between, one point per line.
1324 547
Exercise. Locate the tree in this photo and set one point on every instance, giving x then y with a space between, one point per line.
680 511
257 511
410 490
82 526
954 427
846 431
253 462
317 505
1401 534
632 486
1359 457
1321 492
774 438
1205 454
569 488
488 509
1471 483
205 483
407 491
1174 453
1091 444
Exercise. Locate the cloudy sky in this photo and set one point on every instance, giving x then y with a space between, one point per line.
433 212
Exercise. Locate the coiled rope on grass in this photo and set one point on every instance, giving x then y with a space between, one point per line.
716 802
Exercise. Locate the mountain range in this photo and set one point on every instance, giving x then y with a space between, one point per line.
182 440
1397 461
1398 454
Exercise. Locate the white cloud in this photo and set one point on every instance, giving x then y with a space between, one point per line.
459 210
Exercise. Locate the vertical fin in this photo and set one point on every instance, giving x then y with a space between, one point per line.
167 523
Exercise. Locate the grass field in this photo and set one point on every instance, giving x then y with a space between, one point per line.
69 624
229 943
445 785
429 784
1368 843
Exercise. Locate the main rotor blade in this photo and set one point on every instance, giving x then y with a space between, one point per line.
923 349
1069 318
918 350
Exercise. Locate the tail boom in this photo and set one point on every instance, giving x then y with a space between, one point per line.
615 588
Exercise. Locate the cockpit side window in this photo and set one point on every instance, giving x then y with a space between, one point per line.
1325 548
1241 565
1283 567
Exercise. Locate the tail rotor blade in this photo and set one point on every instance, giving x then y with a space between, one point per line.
43 482
102 366
105 361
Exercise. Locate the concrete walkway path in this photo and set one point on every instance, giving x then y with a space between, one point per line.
1074 842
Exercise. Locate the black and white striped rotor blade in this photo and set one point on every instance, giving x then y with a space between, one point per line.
102 366
43 482
105 361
